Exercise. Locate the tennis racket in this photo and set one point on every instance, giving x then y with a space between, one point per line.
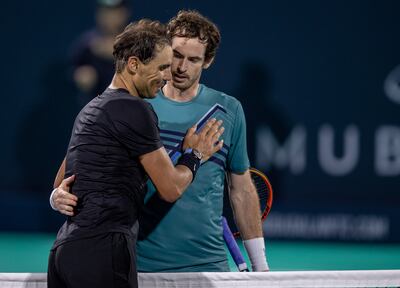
264 191
230 231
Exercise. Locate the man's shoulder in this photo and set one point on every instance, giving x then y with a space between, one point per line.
220 97
119 101
121 96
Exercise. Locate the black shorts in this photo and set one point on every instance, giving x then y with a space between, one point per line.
106 260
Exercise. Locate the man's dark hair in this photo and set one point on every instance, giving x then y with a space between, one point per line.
142 39
191 24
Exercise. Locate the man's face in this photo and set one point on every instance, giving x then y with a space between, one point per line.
187 62
150 77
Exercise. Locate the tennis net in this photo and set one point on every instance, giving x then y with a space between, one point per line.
292 279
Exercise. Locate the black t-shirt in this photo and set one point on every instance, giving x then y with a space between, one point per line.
108 136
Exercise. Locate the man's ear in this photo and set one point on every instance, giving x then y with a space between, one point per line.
133 65
208 63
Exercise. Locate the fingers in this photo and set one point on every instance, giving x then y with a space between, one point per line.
189 137
211 150
217 133
214 128
64 197
213 134
206 141
66 210
218 146
191 130
64 202
67 182
208 127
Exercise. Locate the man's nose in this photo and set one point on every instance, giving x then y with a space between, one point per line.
182 67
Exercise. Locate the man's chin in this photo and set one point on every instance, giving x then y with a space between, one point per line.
155 94
180 85
149 96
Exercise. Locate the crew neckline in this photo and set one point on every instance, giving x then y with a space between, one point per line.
118 90
199 90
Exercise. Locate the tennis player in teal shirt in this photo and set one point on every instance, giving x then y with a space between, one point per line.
188 238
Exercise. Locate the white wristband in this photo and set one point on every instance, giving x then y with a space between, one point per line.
256 250
51 200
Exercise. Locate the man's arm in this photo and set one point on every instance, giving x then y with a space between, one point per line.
245 205
60 175
171 181
246 210
60 199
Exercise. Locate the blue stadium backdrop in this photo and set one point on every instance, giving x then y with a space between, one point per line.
319 82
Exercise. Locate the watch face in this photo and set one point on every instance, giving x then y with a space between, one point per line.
188 150
198 154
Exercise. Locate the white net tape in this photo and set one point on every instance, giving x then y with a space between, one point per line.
293 279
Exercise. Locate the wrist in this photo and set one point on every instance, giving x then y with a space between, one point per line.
191 161
196 153
51 200
256 250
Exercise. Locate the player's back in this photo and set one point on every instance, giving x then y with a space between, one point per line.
103 156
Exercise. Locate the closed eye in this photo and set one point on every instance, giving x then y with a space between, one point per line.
178 55
163 67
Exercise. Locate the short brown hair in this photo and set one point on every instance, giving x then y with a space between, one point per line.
191 24
142 39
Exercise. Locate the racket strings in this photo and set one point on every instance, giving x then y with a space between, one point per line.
263 191
261 187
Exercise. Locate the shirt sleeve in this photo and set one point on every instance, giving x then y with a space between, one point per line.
136 125
238 160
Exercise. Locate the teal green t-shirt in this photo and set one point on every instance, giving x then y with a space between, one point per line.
189 237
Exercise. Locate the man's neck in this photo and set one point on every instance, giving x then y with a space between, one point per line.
180 95
119 81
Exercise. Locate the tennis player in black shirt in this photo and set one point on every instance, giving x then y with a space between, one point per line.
115 145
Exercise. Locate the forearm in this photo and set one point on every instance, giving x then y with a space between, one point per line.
57 181
246 209
60 198
170 181
245 204
60 175
179 178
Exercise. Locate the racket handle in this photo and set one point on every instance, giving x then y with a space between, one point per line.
233 247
